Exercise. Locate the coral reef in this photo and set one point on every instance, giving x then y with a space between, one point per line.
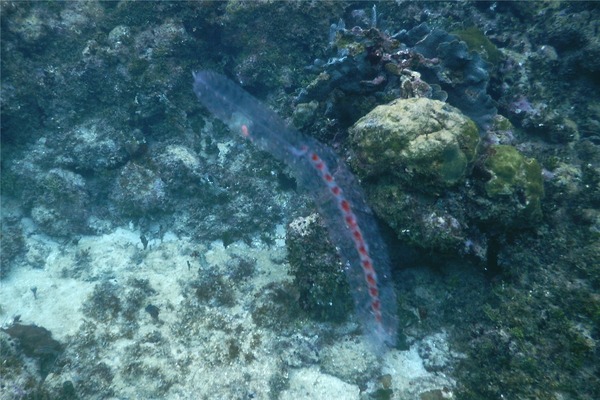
120 194
139 190
432 181
12 243
372 67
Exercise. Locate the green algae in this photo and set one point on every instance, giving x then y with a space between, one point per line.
477 41
454 163
515 175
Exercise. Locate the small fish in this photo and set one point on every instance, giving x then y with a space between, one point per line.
153 311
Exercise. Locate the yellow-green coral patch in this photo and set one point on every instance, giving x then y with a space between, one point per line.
513 173
416 137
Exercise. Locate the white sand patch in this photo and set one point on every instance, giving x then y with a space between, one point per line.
58 302
410 378
310 383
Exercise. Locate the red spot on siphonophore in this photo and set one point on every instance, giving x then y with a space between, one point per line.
371 279
345 205
245 131
336 190
376 305
319 166
351 221
328 177
357 235
374 292
314 157
367 265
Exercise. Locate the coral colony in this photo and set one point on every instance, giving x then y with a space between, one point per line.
319 171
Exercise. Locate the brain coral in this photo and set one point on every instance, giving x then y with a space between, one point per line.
422 143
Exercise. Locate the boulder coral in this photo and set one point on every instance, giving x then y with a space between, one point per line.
422 143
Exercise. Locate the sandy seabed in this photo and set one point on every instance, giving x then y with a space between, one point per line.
92 294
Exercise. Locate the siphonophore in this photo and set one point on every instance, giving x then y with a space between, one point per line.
319 171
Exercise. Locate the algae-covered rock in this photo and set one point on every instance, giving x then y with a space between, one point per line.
139 190
318 271
305 114
424 144
96 145
515 176
477 41
419 219
179 168
63 206
351 361
418 160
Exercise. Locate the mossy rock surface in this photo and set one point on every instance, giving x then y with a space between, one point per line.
515 176
318 271
418 220
478 42
424 144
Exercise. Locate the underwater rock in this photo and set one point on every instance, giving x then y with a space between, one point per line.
179 167
427 177
501 131
318 273
139 190
516 181
351 361
119 36
161 40
265 43
410 153
305 114
423 144
60 195
36 342
12 240
426 221
32 27
62 208
96 145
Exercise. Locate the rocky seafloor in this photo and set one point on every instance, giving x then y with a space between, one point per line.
148 252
